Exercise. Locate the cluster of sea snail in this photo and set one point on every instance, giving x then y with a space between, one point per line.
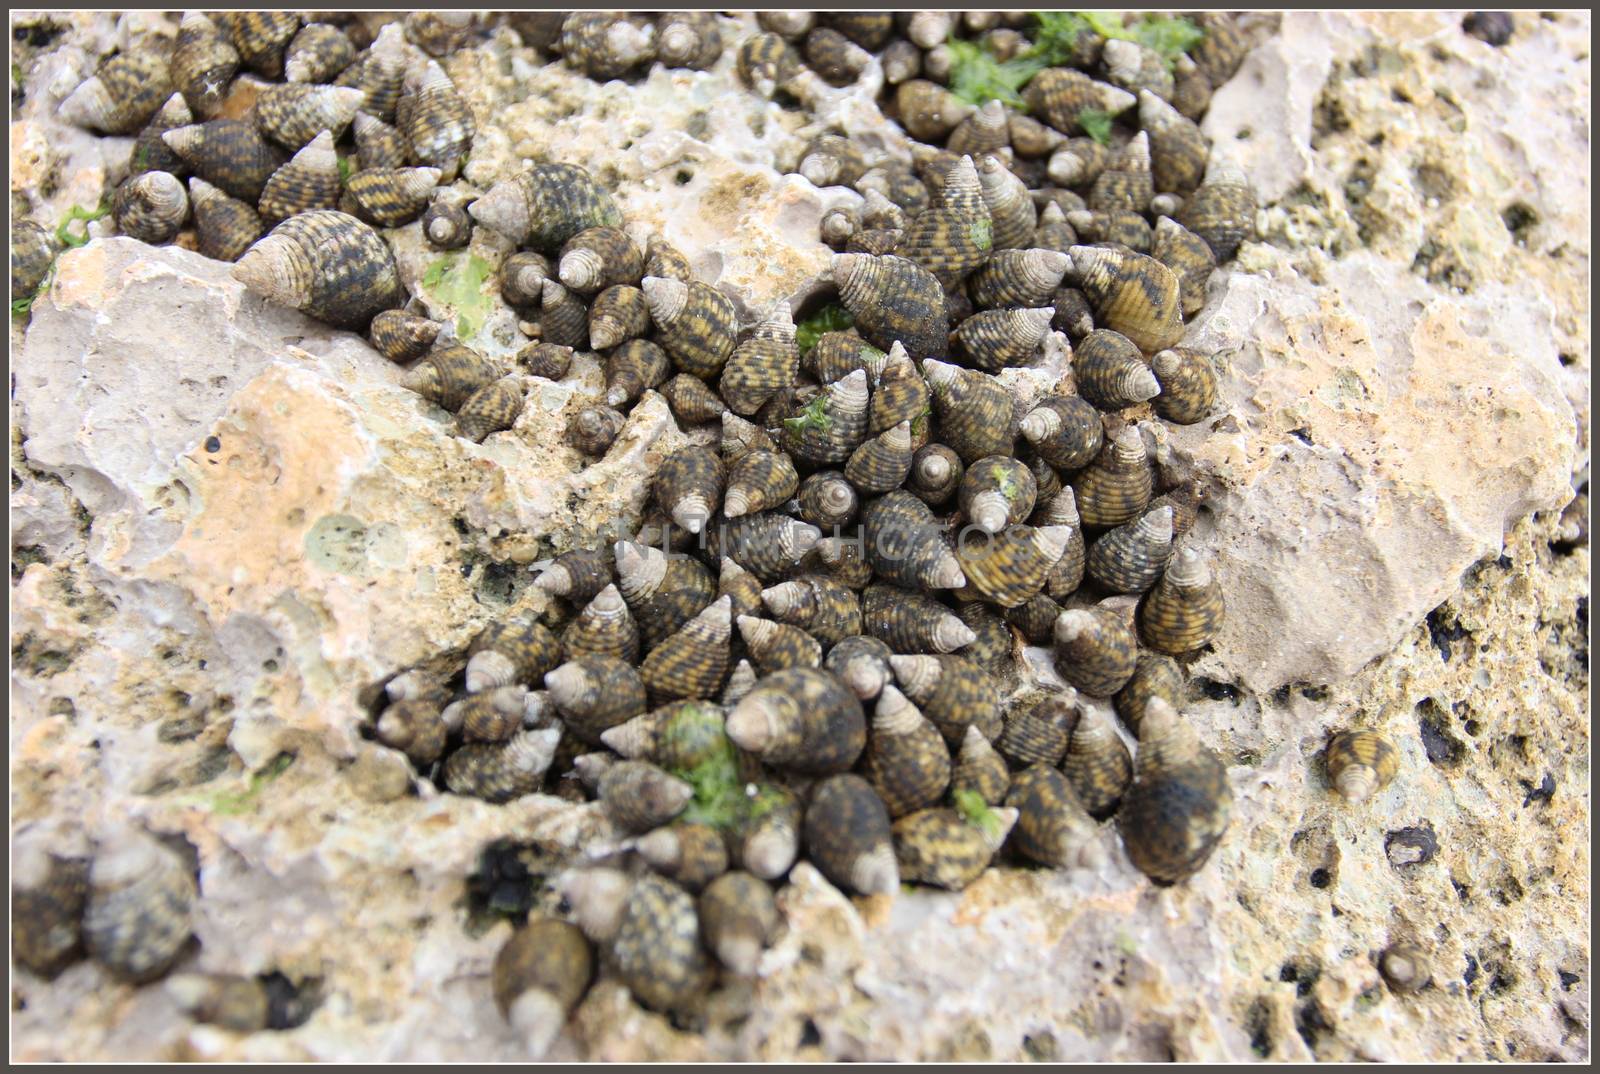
807 648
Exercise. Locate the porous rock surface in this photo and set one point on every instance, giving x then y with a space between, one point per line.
229 522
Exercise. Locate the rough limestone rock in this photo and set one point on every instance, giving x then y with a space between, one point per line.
230 524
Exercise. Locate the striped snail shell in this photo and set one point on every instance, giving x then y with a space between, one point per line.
48 893
1125 183
450 374
1059 95
904 545
229 1000
1097 765
695 323
907 760
1011 567
594 429
765 543
1222 211
848 837
435 119
121 96
1137 68
310 180
511 651
399 336
892 298
1116 486
595 693
1132 557
936 474
910 621
759 481
1011 210
632 368
150 153
414 726
1176 811
742 588
975 410
498 772
766 61
692 662
663 592
1185 609
619 313
1177 148
775 646
979 769
952 691
692 855
604 625
230 154
763 365
1188 385
638 796
1188 256
317 53
606 44
292 114
1052 827
928 111
688 486
1018 278
801 719
692 400
1095 651
203 64
1361 763
262 37
980 132
545 206
577 575
1110 371
943 848
326 264
1155 675
378 145
151 207
140 907
861 663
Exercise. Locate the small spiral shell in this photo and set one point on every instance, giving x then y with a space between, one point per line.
982 131
828 428
1132 294
121 96
1176 811
1222 211
657 951
928 111
765 543
48 894
911 622
545 206
907 760
450 374
991 646
1031 138
1054 233
1188 256
692 661
633 367
695 323
980 769
151 207
262 37
638 796
847 836
691 400
139 914
378 145
1040 733
1011 209
763 365
326 264
379 73
1132 557
292 114
834 56
317 53
1191 89
954 235
1361 763
861 663
1074 315
996 492
904 545
663 592
1018 278
765 62
1185 609
1116 486
691 855
835 355
801 719
488 716
1059 95
759 481
577 575
1137 68
1404 966
936 474
1223 48
1116 227
203 64
540 974
825 609
688 486
594 429
953 692
595 693
1065 430
230 154
499 772
310 180
150 153
1097 764
1188 385
414 726
1052 827
893 299
943 848
1012 566
738 919
435 119
604 625
1155 676
775 646
974 410
1095 651
606 44
511 651
399 336
563 318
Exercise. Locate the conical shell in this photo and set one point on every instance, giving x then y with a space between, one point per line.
231 1001
1116 487
1095 651
1191 89
526 651
1059 95
1177 148
545 360
835 355
954 234
953 692
1222 211
435 119
943 848
1176 811
881 463
692 402
415 727
619 313
121 96
1188 256
991 646
310 180
499 772
1132 294
563 319
982 131
1110 371
800 719
1132 557
996 492
1030 138
911 622
688 39
1184 611
262 37
318 53
379 73
1035 617
691 662
1097 765
399 336
766 61
292 114
1116 227
759 481
328 265
1067 574
1040 733
1188 385
936 474
928 111
692 855
1137 68
140 909
1065 430
742 589
663 592
150 153
1018 278
522 277
1361 763
904 544
203 64
1074 316
900 61
595 693
391 197
1126 183
1011 208
1222 50
831 160
775 646
577 575
603 626
606 44
975 411
893 299
378 145
979 769
1011 567
765 543
540 974
830 427
998 339
907 761
1052 827
599 257
450 374
696 323
595 428
151 207
834 56
632 368
897 182
545 206
657 951
828 611
1155 676
688 486
230 154
764 364
861 663
1054 233
738 919
901 396
845 561
488 716
638 796
847 836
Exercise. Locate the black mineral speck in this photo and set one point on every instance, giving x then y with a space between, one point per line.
290 1005
1411 846
810 1035
1320 878
1493 27
1216 691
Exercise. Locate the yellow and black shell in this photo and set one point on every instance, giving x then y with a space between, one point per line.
832 160
861 663
657 950
848 837
1188 385
1065 430
826 610
929 111
1056 234
546 205
1000 339
450 374
1095 650
310 180
606 44
595 428
979 769
203 64
230 154
498 772
1361 763
695 323
1155 676
955 234
150 153
768 840
121 96
33 251
1036 618
139 913
759 481
1132 557
767 362
292 114
904 544
992 642
1116 227
775 646
1177 148
599 257
1125 184
691 662
1012 214
1188 256
262 37
1176 811
946 849
540 974
391 197
976 412
907 761
435 119
1132 294
1060 95
835 355
577 575
936 474
901 396
603 626
690 854
910 621
563 319
379 73
1074 316
1184 611
525 651
834 56
1222 211
663 591
688 39
898 182
487 716
882 462
415 727
1097 765
953 692
1110 371
738 919
1191 89
982 131
378 145
522 277
829 427
150 207
1052 827
1222 50
1138 68
1018 279
326 264
691 400
1011 567
1116 486
1067 574
1039 733
688 486
632 368
766 61
545 360
765 543
1031 138
800 719
48 894
318 53
638 796
996 492
893 299
399 336
595 693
